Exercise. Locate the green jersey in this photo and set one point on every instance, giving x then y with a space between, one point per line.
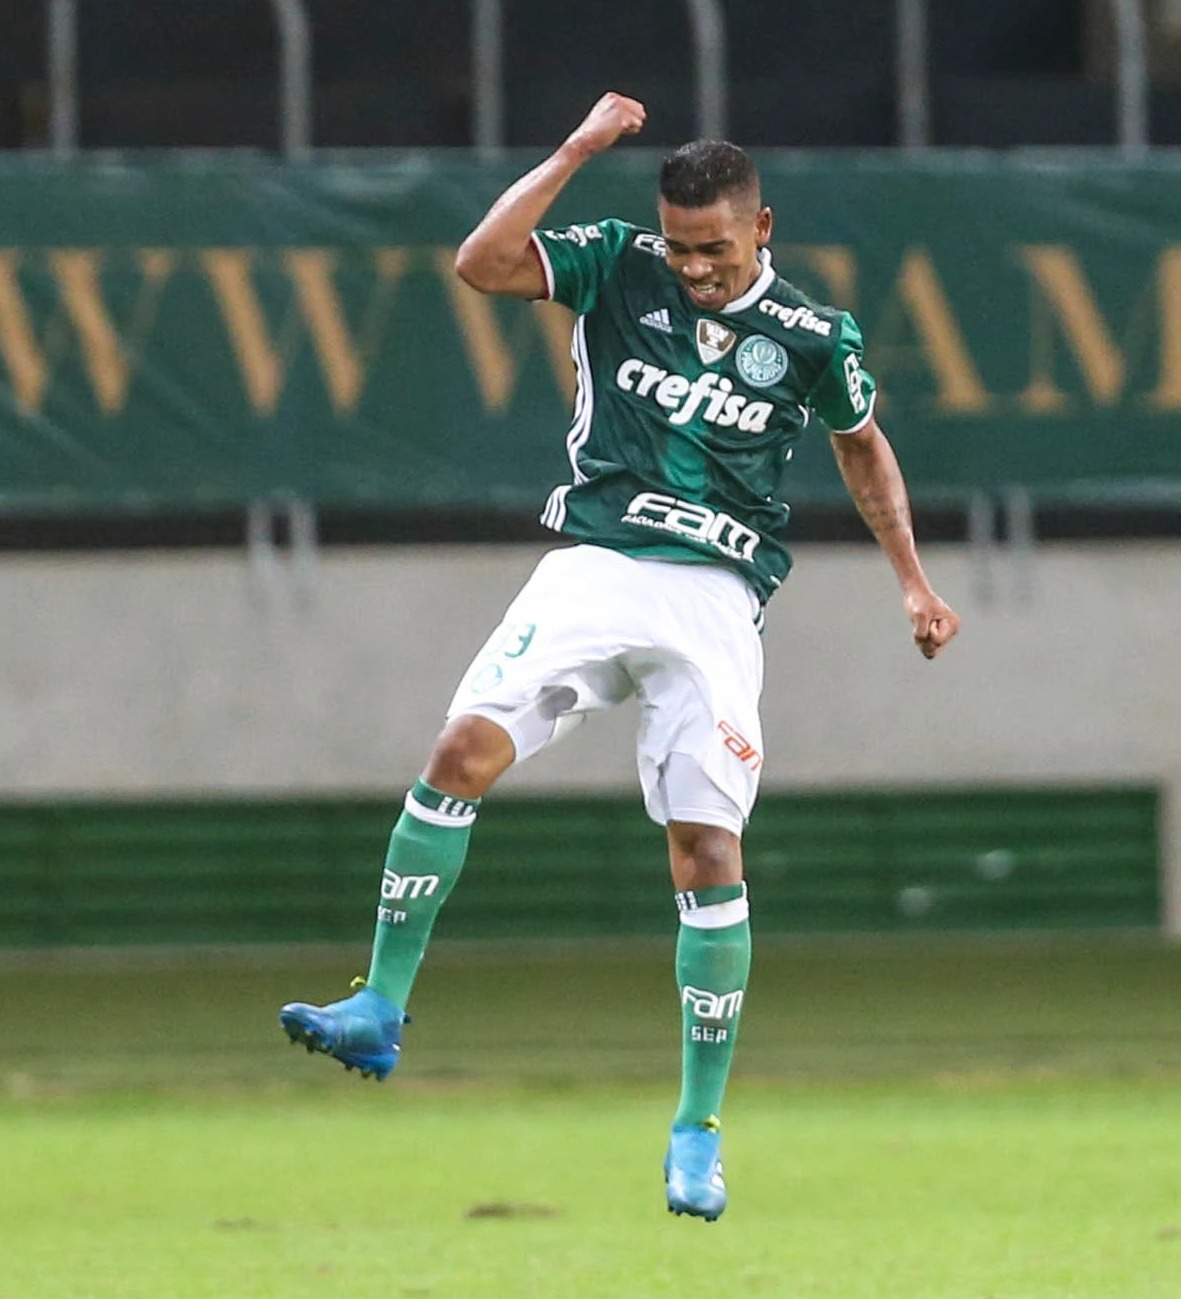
683 418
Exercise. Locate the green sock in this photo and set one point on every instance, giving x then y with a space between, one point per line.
426 854
713 963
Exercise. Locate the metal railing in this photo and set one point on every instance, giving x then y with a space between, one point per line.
295 78
707 25
912 81
62 26
488 76
1131 77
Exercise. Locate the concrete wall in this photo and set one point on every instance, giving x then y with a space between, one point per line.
183 672
188 673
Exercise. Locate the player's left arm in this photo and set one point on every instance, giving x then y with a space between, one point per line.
870 469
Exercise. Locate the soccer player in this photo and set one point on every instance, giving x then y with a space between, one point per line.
698 369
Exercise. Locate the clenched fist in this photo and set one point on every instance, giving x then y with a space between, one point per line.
932 621
612 116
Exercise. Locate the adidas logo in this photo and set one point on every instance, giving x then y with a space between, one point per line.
658 320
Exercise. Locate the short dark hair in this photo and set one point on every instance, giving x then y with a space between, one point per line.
700 173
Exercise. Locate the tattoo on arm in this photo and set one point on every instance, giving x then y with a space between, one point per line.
883 514
879 494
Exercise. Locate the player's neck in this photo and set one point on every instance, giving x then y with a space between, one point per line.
748 281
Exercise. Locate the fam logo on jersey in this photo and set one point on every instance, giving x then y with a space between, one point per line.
694 521
761 361
714 340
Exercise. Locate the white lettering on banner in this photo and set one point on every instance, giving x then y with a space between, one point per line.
711 394
688 519
398 886
796 317
712 1005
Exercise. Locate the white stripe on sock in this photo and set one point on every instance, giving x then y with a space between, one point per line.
431 817
718 916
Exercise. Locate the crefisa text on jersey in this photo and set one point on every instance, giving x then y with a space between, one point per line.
683 398
796 317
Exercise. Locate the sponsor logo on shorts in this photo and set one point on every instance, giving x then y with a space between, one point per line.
488 678
740 746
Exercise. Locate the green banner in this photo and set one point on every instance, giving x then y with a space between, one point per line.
85 872
202 332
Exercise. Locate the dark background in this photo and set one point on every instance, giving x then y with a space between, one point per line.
391 73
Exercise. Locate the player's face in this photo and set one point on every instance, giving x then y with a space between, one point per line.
715 250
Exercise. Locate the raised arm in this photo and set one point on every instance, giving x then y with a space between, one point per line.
870 470
498 256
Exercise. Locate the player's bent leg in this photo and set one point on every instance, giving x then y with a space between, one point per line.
712 967
426 854
469 757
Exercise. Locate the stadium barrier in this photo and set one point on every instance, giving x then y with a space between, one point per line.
87 872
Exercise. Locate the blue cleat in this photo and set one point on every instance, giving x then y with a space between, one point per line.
693 1171
363 1031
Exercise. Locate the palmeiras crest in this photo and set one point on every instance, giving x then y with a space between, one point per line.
761 361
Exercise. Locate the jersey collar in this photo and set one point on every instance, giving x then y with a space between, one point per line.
757 289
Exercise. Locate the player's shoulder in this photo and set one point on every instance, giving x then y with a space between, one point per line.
610 233
802 318
645 243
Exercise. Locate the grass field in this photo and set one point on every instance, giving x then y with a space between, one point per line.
909 1120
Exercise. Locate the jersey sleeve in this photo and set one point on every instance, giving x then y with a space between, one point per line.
844 394
578 260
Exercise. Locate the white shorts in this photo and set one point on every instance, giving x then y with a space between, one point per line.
592 627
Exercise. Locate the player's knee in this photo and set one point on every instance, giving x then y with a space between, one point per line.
704 856
469 756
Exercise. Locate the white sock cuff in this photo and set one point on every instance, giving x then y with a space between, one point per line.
721 915
452 812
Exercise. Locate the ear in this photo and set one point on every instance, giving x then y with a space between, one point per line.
764 221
